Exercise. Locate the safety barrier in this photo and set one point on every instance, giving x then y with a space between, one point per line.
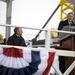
47 47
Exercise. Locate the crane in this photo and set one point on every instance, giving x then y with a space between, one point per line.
65 6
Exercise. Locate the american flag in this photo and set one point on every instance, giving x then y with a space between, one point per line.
17 61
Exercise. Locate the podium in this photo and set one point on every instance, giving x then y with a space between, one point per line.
68 43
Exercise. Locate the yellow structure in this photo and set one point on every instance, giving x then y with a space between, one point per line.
53 34
64 8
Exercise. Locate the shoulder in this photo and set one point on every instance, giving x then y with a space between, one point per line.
22 38
11 37
64 21
62 24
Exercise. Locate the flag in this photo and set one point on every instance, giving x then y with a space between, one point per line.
16 61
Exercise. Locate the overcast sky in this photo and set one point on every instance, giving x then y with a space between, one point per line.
31 13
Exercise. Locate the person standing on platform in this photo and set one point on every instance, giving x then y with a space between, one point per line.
67 22
16 39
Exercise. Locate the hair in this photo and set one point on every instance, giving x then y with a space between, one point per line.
15 29
70 13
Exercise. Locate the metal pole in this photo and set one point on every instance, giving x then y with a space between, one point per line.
47 39
74 13
74 22
8 17
30 44
48 20
8 25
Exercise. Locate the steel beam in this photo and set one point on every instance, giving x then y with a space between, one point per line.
8 17
47 22
3 0
74 13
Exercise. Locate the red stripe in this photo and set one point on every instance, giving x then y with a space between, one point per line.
50 61
13 52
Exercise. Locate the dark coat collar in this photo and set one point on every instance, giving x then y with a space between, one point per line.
16 36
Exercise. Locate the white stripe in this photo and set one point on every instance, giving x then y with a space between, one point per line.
42 66
16 63
27 55
11 62
1 50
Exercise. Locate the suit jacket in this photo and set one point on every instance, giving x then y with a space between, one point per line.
16 41
64 23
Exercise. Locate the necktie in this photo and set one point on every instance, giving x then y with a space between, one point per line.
70 23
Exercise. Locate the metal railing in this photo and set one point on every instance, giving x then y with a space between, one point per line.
47 47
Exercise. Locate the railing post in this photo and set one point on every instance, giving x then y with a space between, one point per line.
47 39
30 44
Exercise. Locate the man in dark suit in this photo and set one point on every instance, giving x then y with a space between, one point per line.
16 39
68 22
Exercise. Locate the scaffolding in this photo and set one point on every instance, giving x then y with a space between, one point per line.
65 6
8 16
